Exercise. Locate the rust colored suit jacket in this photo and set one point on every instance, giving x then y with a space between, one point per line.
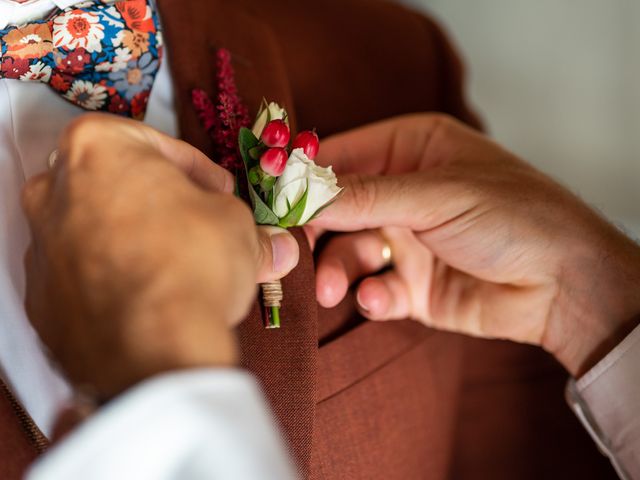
357 399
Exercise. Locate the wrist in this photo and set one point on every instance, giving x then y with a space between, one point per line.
155 344
597 305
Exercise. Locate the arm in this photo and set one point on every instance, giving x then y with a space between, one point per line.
141 263
206 423
482 244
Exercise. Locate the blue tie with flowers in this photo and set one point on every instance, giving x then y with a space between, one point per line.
101 56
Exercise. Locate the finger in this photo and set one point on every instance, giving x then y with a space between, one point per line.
418 201
94 135
278 254
344 260
193 162
390 146
313 234
384 297
35 197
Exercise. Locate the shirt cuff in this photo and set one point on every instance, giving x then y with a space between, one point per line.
209 423
607 401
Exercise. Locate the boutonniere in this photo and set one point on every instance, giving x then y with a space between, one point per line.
285 187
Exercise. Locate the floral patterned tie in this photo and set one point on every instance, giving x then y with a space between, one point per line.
101 56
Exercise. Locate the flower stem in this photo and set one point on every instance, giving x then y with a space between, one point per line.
272 317
272 299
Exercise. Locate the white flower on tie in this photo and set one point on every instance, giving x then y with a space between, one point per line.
78 29
37 72
89 96
117 39
111 15
159 39
120 61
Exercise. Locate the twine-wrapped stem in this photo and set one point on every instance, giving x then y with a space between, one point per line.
272 297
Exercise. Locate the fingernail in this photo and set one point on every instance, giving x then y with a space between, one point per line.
360 304
284 248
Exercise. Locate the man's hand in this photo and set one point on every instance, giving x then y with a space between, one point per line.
142 261
482 243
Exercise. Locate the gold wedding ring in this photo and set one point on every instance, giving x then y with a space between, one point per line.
387 253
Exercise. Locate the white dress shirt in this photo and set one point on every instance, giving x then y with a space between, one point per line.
14 13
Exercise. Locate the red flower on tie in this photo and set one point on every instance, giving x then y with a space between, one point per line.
118 105
60 82
14 68
139 105
135 15
74 62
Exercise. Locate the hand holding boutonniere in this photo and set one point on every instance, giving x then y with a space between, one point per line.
286 187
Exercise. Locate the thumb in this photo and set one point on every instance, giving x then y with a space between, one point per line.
278 253
192 162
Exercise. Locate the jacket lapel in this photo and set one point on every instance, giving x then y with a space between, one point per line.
20 439
284 360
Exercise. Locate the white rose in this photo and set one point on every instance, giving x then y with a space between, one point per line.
299 173
270 112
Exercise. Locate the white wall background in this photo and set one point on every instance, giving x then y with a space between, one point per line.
558 82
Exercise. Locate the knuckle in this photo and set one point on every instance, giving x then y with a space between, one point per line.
441 123
79 138
84 126
364 194
440 118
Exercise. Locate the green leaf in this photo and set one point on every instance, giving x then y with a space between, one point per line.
247 141
294 216
270 198
261 212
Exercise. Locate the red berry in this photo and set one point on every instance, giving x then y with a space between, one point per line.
273 161
276 134
309 142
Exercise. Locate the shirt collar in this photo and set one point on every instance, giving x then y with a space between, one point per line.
12 13
62 4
